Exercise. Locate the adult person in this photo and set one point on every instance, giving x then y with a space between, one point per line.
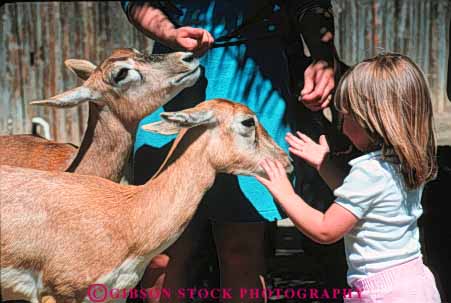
434 222
449 63
315 86
241 45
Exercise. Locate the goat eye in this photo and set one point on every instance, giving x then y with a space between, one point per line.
248 122
121 75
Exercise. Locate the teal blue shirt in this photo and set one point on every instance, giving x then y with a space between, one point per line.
254 73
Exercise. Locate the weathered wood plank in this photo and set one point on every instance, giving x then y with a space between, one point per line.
416 28
36 38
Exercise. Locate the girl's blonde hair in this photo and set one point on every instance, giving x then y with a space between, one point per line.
389 97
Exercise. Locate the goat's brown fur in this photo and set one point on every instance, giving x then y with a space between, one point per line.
76 229
113 115
41 153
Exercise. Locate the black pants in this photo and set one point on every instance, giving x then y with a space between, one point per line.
434 224
330 259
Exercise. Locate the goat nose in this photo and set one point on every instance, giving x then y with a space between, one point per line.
188 57
289 168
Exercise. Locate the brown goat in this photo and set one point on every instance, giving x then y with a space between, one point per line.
61 232
121 91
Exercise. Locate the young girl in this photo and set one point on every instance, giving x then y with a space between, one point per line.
387 114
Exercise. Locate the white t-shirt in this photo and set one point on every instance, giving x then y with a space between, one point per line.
386 233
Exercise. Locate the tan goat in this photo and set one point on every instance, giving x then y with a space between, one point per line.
121 91
62 232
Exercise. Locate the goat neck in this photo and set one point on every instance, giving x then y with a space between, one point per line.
105 147
176 192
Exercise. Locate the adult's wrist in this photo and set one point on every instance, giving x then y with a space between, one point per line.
170 39
323 163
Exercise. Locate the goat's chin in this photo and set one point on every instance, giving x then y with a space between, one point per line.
289 168
187 79
259 173
241 172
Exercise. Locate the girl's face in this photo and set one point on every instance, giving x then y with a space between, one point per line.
356 133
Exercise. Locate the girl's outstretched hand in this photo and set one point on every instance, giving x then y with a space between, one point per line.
277 182
304 147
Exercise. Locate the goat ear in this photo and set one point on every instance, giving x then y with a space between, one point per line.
174 121
190 117
162 127
70 98
82 68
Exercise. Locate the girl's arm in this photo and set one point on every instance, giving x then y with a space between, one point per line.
155 24
318 156
323 228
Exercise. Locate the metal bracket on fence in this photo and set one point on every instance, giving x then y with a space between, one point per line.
38 121
9 125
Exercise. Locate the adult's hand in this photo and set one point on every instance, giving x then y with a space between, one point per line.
195 40
155 24
319 82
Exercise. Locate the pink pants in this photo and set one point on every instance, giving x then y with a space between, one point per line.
411 282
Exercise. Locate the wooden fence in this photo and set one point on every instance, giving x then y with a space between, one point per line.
36 38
